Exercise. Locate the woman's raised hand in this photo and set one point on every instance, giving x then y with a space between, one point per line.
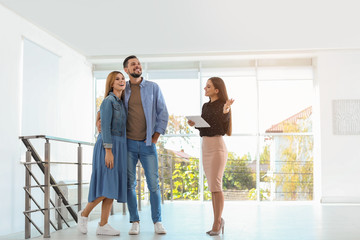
227 105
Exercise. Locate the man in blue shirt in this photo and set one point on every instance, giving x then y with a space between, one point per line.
147 119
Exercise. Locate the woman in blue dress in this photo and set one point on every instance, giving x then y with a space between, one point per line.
109 169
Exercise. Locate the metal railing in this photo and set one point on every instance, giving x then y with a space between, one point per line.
141 178
49 182
167 162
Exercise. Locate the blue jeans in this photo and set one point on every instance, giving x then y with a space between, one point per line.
149 161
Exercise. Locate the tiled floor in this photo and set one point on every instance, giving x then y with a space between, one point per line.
243 220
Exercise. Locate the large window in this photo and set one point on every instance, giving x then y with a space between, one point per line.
285 126
181 146
271 149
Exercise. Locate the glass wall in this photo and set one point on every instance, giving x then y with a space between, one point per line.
285 123
271 148
179 151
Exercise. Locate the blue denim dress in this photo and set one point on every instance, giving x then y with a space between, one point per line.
110 183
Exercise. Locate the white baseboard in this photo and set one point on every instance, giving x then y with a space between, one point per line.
332 199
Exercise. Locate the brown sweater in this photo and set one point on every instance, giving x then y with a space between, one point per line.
136 122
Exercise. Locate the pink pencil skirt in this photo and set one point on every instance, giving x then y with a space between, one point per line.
214 157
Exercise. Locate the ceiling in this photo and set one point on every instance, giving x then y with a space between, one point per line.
117 27
105 29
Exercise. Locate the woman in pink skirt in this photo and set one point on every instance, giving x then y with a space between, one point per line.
217 113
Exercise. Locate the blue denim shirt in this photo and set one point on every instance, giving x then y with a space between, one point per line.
113 119
154 106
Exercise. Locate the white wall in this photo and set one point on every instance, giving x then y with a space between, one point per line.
75 107
40 84
338 78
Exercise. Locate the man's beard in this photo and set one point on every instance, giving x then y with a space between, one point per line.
135 75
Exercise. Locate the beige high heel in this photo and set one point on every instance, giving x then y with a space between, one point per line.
222 225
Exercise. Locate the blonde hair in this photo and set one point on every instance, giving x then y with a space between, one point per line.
110 81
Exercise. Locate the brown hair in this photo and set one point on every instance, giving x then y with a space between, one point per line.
223 96
126 61
110 81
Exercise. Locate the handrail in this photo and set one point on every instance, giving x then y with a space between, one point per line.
57 139
49 181
247 134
